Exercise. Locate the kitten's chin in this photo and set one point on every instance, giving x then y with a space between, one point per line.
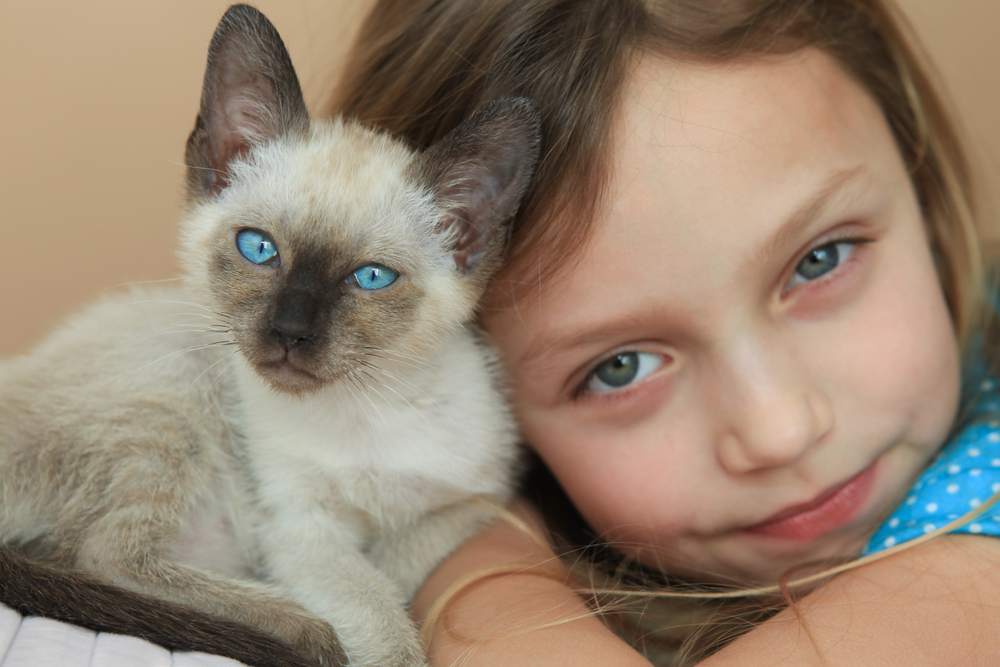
286 378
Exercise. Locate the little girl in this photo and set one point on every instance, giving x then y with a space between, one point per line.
735 315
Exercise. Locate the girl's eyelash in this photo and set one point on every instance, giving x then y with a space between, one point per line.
823 259
617 373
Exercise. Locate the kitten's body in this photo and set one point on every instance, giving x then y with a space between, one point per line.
277 443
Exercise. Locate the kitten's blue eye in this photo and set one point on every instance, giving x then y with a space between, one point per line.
256 246
622 370
374 276
820 261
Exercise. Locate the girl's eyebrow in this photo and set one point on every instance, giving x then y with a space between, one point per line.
599 333
803 216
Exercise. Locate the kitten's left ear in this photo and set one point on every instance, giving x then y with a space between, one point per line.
250 95
480 172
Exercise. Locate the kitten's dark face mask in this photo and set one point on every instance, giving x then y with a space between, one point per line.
306 311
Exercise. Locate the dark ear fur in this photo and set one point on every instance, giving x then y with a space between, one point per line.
250 95
480 172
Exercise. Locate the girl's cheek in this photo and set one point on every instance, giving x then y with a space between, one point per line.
624 409
631 474
902 355
584 460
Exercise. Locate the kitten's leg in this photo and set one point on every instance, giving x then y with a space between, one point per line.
134 509
410 554
311 554
118 550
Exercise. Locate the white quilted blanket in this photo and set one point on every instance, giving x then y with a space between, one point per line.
39 642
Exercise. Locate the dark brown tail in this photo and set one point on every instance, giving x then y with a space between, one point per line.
36 589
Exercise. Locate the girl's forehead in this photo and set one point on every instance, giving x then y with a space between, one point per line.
720 155
754 111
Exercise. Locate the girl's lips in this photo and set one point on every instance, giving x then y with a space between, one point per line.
829 511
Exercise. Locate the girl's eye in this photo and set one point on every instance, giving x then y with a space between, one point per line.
821 260
257 247
373 276
621 370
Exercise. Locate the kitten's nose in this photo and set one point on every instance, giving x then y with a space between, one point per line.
295 322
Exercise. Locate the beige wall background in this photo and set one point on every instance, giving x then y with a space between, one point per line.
97 99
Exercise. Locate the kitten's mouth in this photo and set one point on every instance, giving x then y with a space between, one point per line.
285 371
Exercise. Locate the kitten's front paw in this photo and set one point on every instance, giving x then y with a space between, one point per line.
401 658
408 657
400 650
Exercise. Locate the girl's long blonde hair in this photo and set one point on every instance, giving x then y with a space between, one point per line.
420 67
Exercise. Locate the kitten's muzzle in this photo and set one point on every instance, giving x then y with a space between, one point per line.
296 320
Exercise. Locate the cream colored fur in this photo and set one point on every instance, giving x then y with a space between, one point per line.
160 440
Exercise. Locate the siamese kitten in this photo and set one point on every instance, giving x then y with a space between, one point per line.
296 439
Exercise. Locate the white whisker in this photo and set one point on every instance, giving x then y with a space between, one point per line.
227 369
374 407
172 355
404 399
360 404
190 337
406 384
210 367
389 403
178 302
418 363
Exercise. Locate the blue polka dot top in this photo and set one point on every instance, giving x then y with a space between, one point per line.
963 476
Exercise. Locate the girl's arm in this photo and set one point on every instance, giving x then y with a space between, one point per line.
935 604
509 609
938 603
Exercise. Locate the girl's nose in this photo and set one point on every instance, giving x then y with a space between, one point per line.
773 412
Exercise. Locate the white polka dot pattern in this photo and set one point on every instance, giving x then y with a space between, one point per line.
962 477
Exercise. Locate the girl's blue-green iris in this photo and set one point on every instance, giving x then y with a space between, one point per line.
619 370
819 261
374 276
256 246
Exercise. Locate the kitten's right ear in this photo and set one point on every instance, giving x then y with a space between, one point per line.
251 94
479 173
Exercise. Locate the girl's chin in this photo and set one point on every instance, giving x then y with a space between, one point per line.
748 560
